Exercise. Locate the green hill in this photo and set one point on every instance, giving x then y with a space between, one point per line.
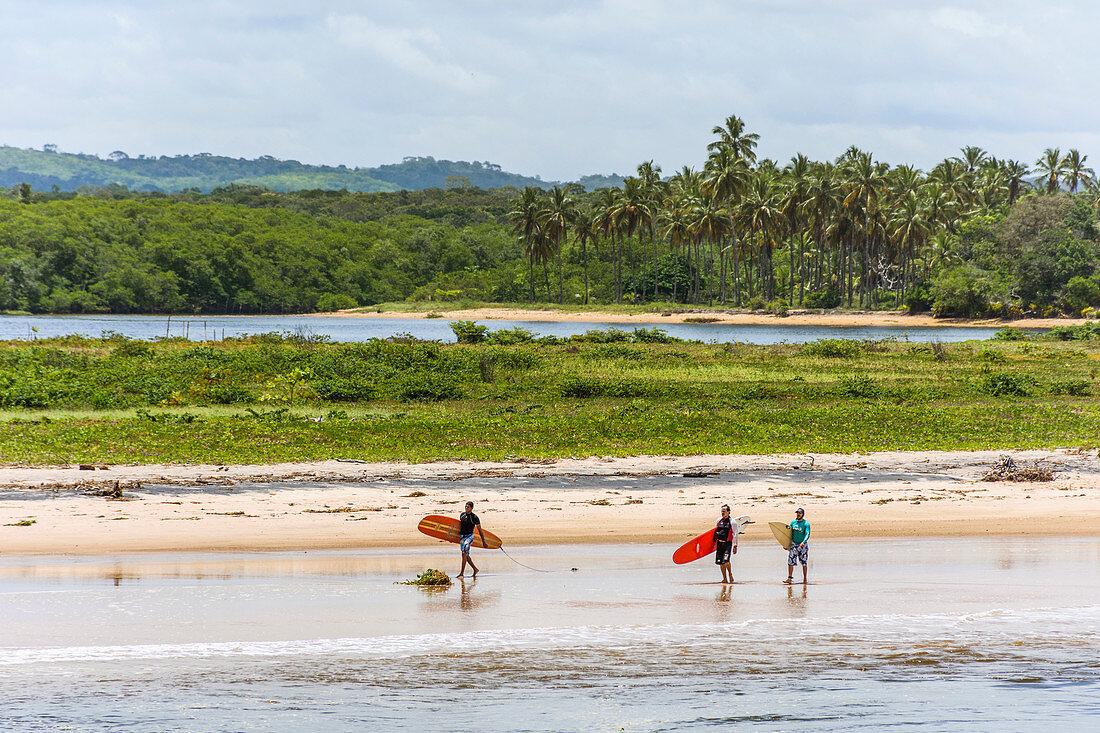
44 169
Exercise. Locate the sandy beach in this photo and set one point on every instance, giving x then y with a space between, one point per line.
348 505
795 317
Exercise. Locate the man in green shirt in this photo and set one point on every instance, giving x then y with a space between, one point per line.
799 551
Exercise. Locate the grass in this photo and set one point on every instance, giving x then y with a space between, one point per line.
88 400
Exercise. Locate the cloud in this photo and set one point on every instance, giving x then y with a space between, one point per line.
416 51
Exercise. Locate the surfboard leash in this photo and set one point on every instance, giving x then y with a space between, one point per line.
517 562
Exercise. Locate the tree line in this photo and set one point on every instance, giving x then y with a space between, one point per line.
851 232
975 235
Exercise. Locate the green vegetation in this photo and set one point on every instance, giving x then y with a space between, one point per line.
430 578
273 398
975 236
47 168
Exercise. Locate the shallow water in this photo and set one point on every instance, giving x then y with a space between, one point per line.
935 634
350 329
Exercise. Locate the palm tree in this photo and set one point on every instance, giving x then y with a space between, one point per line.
1016 175
1051 165
526 218
1075 171
556 220
632 214
586 229
974 157
650 176
607 206
727 177
732 136
866 181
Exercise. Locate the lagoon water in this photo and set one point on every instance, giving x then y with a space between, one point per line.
351 329
944 635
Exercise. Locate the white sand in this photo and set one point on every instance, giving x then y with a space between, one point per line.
287 506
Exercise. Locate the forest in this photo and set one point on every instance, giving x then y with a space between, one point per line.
974 236
48 168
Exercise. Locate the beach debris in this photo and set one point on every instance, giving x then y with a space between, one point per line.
430 578
1006 469
23 523
699 474
113 491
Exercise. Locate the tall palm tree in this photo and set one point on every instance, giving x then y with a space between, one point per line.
1016 174
1051 166
557 220
526 218
732 137
585 229
866 181
632 214
650 176
727 177
1075 171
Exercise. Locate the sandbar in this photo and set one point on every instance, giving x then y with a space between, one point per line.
63 510
794 317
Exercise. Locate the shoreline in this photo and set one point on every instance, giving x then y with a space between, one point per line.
720 317
335 505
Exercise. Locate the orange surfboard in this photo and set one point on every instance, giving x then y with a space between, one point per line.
446 528
703 545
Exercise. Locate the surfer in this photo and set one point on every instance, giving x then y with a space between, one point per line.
799 551
725 544
467 521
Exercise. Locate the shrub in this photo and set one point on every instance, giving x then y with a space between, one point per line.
469 332
343 389
509 336
610 336
652 336
1006 384
835 348
825 299
329 302
756 303
1073 387
960 291
225 394
858 385
1012 334
428 386
133 347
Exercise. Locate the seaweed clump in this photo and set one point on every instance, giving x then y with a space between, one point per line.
430 578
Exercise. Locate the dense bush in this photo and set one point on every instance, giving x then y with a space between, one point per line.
836 348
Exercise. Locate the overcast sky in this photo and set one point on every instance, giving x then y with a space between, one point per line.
557 89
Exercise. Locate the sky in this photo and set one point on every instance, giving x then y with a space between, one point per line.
560 89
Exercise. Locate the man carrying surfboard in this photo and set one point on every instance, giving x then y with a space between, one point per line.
725 544
467 521
799 550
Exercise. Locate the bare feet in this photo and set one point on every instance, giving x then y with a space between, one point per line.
788 581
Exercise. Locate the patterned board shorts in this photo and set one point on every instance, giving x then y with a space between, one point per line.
464 543
798 553
722 552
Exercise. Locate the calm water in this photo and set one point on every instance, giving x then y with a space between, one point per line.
347 329
932 635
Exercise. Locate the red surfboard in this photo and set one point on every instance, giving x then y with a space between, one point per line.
446 528
702 545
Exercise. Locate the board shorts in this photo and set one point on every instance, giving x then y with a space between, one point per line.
465 543
798 553
722 552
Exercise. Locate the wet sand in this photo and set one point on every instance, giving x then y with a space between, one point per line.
342 505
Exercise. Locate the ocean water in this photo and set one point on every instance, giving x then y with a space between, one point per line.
351 329
903 635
